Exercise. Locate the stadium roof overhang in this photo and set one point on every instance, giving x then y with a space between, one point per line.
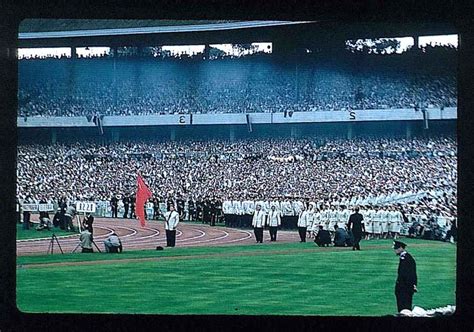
229 32
233 32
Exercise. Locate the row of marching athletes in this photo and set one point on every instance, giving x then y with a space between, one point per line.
272 219
240 213
379 222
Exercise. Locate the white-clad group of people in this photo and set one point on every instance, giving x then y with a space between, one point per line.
379 221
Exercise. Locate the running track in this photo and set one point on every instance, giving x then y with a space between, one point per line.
135 237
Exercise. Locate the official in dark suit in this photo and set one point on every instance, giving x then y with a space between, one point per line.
87 223
199 210
126 205
132 206
63 206
212 211
191 209
180 207
218 210
206 211
26 219
356 226
114 205
323 238
156 208
405 286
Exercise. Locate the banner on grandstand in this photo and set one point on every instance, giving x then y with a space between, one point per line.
31 207
85 207
45 207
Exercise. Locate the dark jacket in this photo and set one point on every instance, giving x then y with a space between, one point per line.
355 223
407 277
340 237
323 237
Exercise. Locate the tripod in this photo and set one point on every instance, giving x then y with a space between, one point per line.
93 242
51 244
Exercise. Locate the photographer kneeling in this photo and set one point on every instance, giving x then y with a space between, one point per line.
86 241
113 243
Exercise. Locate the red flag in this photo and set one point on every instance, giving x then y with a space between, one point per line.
143 193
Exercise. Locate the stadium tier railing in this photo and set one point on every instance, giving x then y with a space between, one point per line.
448 113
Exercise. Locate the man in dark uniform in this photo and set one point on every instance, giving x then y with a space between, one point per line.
57 218
323 238
26 219
206 210
62 218
18 214
356 226
199 208
126 205
180 207
132 206
156 207
27 214
169 203
114 205
191 209
212 211
405 286
87 223
218 209
44 215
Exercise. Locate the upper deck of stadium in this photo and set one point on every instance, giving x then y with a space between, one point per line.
289 86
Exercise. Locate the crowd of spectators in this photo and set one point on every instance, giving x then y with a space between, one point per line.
143 86
361 170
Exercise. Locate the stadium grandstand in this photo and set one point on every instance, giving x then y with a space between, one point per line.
205 129
294 119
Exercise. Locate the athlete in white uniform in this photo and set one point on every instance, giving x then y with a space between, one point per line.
316 222
297 207
276 204
384 220
248 208
238 212
273 221
397 220
303 221
346 213
368 214
376 220
325 217
341 223
228 211
332 219
311 211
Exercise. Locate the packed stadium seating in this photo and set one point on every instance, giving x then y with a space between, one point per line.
264 83
266 168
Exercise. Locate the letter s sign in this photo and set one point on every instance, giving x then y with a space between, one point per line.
352 115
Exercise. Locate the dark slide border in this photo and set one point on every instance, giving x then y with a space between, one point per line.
347 11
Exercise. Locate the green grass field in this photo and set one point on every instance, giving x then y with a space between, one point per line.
270 279
32 233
